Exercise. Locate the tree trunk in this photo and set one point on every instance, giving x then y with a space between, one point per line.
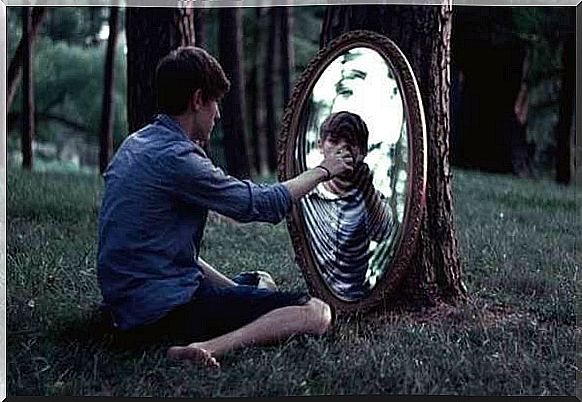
27 88
521 151
107 111
233 121
257 106
252 95
95 23
287 53
200 27
251 91
423 34
151 34
565 134
270 68
488 133
15 68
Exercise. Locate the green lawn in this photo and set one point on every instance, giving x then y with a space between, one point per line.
516 336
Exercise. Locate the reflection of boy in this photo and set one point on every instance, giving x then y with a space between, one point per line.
344 214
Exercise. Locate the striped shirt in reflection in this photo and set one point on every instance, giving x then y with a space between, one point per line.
340 228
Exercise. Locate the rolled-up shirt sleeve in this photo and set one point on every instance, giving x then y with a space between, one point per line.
198 182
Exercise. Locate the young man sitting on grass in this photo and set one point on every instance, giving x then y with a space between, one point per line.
159 188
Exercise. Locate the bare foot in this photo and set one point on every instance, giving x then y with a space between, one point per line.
193 353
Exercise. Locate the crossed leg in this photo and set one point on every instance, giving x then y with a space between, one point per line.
314 318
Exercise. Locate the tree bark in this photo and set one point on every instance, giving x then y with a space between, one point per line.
27 88
95 23
251 92
107 111
287 52
233 118
520 150
565 133
200 27
151 34
252 95
489 135
270 69
423 34
259 112
15 68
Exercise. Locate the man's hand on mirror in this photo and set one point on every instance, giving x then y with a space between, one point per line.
361 178
338 163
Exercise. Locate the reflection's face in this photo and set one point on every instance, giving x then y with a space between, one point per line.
330 145
327 146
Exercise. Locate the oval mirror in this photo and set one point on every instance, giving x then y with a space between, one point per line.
354 236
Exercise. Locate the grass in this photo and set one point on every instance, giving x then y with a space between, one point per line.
515 337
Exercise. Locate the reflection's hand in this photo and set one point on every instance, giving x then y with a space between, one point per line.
339 162
363 178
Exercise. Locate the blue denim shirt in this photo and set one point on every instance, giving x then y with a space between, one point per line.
158 190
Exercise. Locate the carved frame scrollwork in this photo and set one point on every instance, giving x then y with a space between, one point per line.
415 200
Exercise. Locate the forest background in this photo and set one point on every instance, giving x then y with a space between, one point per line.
511 103
516 56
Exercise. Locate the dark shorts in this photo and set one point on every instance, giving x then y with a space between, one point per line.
214 311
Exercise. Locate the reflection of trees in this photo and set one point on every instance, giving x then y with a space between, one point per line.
377 266
315 110
341 87
398 165
397 176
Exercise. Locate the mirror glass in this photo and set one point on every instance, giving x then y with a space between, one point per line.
353 223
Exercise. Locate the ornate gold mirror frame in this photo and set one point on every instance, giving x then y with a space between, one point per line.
293 134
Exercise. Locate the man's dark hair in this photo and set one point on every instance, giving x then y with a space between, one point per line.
184 70
347 126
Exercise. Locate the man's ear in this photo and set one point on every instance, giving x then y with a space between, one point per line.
320 145
196 101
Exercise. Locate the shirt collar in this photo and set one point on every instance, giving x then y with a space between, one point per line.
323 193
171 123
